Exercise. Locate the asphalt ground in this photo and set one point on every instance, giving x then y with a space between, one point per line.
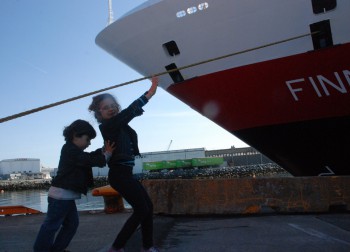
267 232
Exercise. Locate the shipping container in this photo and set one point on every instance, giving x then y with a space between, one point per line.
153 166
169 164
203 162
183 163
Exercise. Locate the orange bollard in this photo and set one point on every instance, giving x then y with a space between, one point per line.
113 201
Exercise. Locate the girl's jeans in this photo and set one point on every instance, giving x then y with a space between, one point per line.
135 194
59 213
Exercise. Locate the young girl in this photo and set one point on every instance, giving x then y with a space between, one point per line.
114 127
74 176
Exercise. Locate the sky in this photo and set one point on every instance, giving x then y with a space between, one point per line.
48 54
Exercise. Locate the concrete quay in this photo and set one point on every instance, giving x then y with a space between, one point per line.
249 195
228 233
248 214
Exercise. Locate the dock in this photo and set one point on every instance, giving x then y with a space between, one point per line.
250 195
233 215
236 233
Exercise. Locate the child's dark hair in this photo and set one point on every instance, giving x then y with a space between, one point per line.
95 105
78 128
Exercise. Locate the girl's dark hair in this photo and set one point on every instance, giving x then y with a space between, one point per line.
78 128
95 105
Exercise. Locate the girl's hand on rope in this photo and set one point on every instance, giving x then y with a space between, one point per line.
153 88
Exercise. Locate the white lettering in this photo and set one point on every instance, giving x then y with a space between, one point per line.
320 81
293 91
315 87
347 75
341 88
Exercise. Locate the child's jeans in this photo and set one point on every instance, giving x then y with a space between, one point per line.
59 213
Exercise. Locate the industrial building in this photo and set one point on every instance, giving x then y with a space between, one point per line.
31 167
239 156
157 156
22 168
19 165
232 157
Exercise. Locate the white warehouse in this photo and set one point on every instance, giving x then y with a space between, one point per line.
19 165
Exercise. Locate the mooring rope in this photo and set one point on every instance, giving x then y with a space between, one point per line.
31 111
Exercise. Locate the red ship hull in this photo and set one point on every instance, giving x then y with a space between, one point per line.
283 107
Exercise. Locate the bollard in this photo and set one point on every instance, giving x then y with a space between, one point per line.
113 201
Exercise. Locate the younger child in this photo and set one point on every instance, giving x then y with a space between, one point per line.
74 176
115 128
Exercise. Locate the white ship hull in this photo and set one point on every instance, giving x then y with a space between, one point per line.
286 89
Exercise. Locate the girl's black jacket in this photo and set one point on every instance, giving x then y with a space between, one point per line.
75 168
117 130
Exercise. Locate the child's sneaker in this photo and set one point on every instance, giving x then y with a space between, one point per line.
152 249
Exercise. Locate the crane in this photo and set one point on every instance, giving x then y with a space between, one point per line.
169 144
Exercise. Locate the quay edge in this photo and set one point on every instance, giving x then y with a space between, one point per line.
249 195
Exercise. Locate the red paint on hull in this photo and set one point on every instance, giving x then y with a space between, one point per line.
257 95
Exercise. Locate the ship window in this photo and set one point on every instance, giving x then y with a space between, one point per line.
181 14
175 75
172 48
323 37
191 10
321 6
203 6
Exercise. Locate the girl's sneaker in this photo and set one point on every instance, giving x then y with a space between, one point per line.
152 249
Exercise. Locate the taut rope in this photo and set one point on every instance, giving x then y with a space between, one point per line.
31 111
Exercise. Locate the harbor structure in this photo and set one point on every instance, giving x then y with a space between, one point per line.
30 168
23 168
231 157
19 165
239 156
